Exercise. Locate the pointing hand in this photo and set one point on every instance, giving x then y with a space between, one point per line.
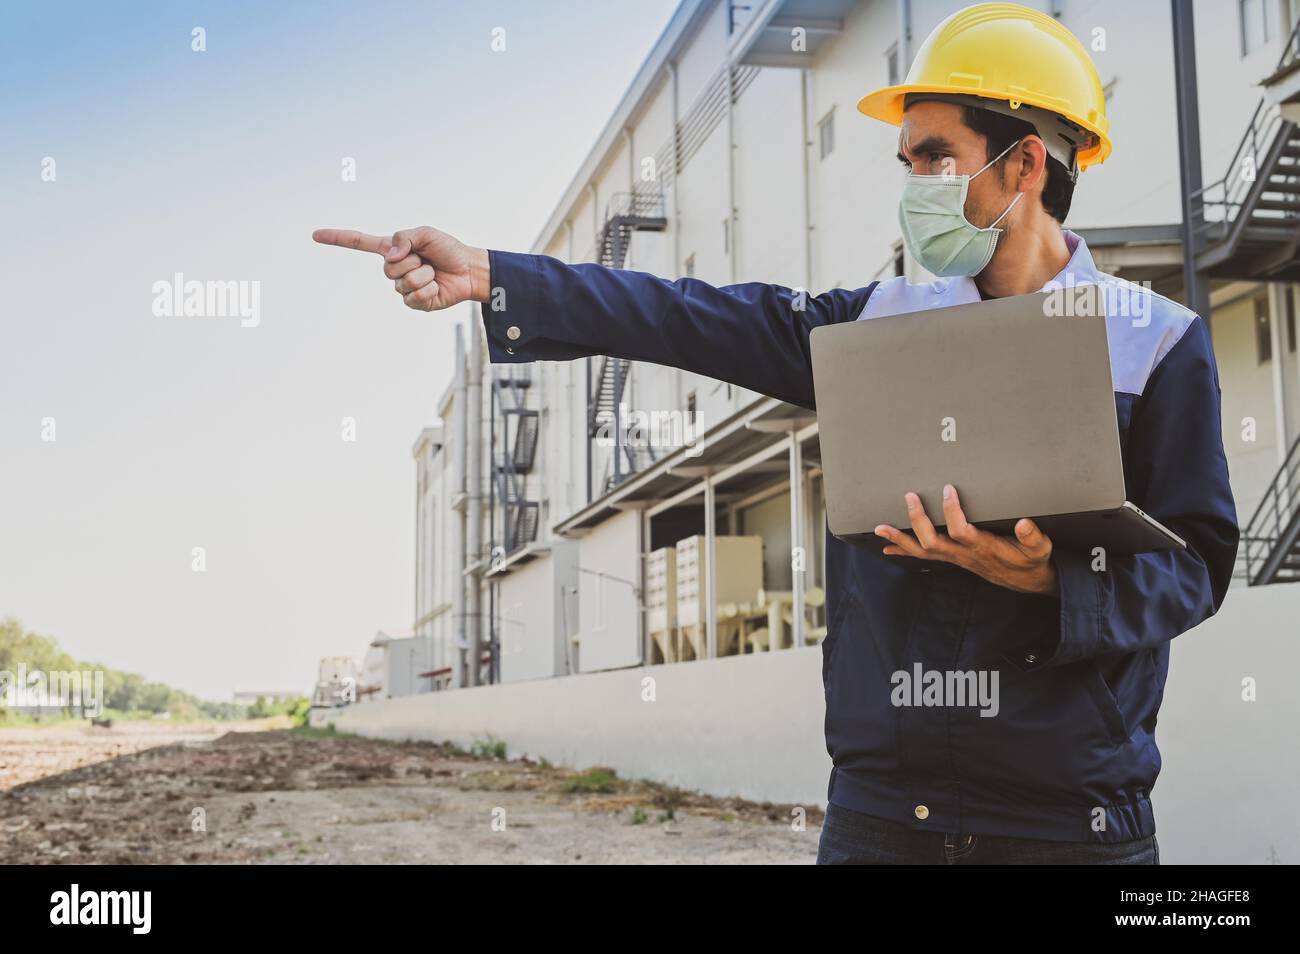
430 269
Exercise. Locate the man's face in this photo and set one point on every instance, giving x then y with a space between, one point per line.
934 141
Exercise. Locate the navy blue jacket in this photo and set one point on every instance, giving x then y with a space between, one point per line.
1071 753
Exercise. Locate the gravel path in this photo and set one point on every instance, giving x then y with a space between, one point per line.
145 793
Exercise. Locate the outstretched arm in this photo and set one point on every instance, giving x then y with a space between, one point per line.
538 308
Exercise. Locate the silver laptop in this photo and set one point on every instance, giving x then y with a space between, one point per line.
1006 399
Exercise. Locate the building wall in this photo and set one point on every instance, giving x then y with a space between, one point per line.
1247 394
535 615
852 210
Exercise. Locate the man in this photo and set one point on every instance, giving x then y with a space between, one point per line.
1000 111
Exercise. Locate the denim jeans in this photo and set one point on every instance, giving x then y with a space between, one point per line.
852 838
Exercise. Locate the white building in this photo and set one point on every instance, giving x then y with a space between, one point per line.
336 682
733 157
397 663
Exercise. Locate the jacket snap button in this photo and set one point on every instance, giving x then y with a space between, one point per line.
513 332
922 812
1031 658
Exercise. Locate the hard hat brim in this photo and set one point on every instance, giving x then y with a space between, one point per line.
886 104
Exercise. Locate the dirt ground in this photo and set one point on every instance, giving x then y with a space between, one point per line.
157 794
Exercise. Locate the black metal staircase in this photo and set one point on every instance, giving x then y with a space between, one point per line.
511 465
625 214
1270 543
1250 222
628 212
605 421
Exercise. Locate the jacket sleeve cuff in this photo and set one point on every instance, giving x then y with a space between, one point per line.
1080 594
516 302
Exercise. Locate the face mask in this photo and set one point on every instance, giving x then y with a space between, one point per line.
932 214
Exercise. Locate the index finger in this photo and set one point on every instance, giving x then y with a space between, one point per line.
348 238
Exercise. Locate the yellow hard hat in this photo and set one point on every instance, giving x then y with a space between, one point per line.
1010 56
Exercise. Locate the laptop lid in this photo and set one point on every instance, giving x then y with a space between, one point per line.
1009 400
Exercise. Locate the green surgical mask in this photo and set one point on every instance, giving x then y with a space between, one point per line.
932 213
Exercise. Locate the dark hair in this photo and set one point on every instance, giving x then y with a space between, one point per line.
999 132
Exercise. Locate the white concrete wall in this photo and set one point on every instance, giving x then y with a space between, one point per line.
526 622
1231 778
536 614
608 609
751 726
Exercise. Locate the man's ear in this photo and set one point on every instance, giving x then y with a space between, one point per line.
1032 168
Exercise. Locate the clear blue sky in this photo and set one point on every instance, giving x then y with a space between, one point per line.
175 433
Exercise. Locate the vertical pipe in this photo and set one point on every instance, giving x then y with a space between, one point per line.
460 631
677 218
904 37
1189 154
805 144
1291 301
595 218
587 428
642 548
570 405
419 554
731 174
474 489
491 616
796 541
676 270
1277 343
710 565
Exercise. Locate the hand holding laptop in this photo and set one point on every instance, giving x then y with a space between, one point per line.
1022 562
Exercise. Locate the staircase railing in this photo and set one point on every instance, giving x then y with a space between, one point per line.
604 409
1270 535
626 213
1224 198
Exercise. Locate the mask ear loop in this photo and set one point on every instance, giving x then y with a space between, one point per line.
994 223
999 155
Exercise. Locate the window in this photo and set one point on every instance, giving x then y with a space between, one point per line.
891 65
1263 331
1253 18
826 134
